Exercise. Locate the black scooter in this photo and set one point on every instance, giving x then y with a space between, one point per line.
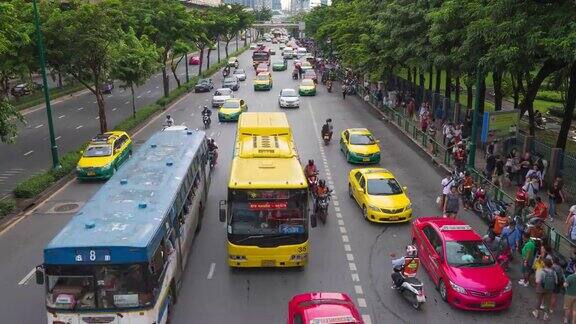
206 120
410 288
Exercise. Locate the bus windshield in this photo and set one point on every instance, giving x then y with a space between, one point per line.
260 56
258 214
100 287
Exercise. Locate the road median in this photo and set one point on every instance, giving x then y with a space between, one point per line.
38 187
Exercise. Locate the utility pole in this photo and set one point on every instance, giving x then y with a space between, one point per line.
40 44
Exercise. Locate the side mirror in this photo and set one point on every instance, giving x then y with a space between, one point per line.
377 141
81 151
222 210
405 189
39 275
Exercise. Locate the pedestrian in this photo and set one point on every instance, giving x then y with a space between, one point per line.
432 136
379 96
344 89
520 201
560 282
531 187
512 234
545 284
571 224
528 254
512 167
570 299
498 171
499 221
554 197
536 174
447 184
452 204
447 132
540 210
490 166
525 165
424 123
458 133
460 158
467 185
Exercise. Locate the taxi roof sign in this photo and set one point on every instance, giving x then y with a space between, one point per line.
334 320
455 228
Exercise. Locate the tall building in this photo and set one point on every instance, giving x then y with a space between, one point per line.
246 3
259 4
276 5
298 5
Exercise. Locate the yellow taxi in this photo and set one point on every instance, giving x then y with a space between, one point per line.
380 196
307 88
231 110
359 146
263 81
104 155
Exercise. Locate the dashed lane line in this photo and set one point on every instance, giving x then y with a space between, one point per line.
149 91
39 126
27 277
28 153
59 137
114 109
80 109
211 271
61 116
360 300
79 126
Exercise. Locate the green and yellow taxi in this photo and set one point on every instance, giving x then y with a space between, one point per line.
263 81
104 155
279 65
379 195
231 110
359 146
307 88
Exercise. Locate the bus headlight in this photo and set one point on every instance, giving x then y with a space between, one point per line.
237 257
298 257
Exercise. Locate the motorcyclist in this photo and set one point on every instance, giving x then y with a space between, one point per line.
327 128
310 170
169 121
206 111
406 266
213 149
226 71
320 191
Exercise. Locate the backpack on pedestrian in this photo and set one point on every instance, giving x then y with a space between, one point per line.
549 280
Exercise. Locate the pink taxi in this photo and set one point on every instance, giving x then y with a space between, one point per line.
323 308
460 265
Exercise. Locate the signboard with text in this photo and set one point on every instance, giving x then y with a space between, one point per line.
499 124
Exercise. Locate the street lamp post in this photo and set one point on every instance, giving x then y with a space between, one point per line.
475 118
39 41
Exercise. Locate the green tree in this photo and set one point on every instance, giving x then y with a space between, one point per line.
135 62
87 37
263 14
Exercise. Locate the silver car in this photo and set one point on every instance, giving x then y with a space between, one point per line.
288 98
220 96
240 74
231 83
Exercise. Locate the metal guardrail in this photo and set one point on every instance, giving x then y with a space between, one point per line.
557 241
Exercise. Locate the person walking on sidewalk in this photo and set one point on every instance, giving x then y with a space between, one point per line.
554 197
528 254
344 89
452 204
447 184
570 299
546 282
571 223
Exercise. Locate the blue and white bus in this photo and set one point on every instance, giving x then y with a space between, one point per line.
120 259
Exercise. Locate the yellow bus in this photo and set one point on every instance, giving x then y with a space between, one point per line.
266 212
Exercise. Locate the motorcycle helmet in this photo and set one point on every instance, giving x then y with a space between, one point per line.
310 162
411 251
205 107
329 120
167 116
322 183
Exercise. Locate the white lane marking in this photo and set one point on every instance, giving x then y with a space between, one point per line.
39 126
114 109
347 247
59 137
362 302
342 229
97 117
157 87
335 202
337 209
80 109
192 114
358 289
27 277
212 134
211 271
338 215
345 238
349 256
340 222
79 126
128 102
138 97
352 266
367 319
28 153
149 91
355 277
61 116
95 102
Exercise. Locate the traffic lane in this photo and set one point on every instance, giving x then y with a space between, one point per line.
75 121
414 170
252 295
22 245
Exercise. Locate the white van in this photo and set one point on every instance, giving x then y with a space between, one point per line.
301 51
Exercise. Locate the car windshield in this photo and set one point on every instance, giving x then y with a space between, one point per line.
262 77
361 139
223 92
98 150
229 80
289 93
383 187
279 62
203 81
231 104
309 74
239 71
468 254
307 82
98 287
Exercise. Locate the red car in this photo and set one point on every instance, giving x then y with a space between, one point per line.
323 307
194 60
460 265
262 67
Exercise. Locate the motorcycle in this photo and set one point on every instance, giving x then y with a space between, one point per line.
327 136
478 199
491 206
322 207
410 288
206 120
329 86
212 159
312 181
295 75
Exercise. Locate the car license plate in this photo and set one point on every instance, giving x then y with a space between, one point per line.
487 304
366 159
91 173
393 218
268 263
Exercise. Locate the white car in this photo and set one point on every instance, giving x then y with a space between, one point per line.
220 96
240 74
288 98
252 46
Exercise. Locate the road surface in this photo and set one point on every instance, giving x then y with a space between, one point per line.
347 254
